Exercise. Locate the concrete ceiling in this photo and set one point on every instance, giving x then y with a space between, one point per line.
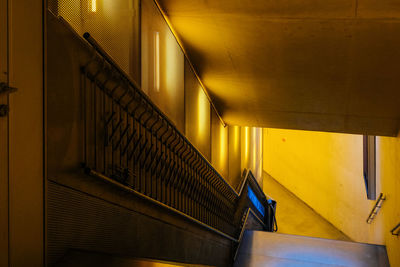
326 65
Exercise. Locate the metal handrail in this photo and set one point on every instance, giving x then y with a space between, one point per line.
128 189
250 177
376 208
397 227
240 238
149 102
144 136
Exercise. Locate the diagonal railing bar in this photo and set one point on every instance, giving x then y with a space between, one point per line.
130 143
130 140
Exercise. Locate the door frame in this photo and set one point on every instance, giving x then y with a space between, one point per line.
4 138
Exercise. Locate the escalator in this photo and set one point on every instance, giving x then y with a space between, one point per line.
122 180
126 188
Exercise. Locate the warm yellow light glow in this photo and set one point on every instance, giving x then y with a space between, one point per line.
254 148
203 113
93 5
260 152
236 133
157 61
223 146
246 144
172 67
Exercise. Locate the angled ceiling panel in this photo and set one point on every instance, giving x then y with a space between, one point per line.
322 65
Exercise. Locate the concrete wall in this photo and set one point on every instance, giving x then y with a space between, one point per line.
325 171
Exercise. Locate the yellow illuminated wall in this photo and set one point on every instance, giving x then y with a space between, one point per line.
245 136
162 65
325 171
234 159
219 146
388 175
256 153
251 152
197 114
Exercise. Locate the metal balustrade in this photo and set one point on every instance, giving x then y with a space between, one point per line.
128 139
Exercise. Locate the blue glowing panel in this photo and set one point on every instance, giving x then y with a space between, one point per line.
255 201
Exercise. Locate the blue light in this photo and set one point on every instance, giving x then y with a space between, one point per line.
255 201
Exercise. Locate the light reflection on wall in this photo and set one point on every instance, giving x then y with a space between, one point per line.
113 23
162 65
219 148
156 56
93 5
203 113
236 139
246 144
258 156
252 151
223 146
173 68
197 114
234 155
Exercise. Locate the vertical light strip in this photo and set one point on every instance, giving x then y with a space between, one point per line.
254 147
157 61
237 141
93 6
246 145
260 152
223 146
202 114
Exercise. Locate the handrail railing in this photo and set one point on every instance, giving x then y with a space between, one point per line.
250 177
136 90
130 143
396 230
130 190
243 228
232 238
376 208
129 139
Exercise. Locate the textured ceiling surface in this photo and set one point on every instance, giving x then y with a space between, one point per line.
331 65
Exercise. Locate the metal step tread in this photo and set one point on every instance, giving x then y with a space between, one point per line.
260 248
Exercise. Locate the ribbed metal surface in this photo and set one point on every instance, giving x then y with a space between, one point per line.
84 258
272 249
77 220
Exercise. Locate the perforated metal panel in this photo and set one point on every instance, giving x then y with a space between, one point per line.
113 23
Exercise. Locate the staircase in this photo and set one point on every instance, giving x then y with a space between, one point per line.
260 248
